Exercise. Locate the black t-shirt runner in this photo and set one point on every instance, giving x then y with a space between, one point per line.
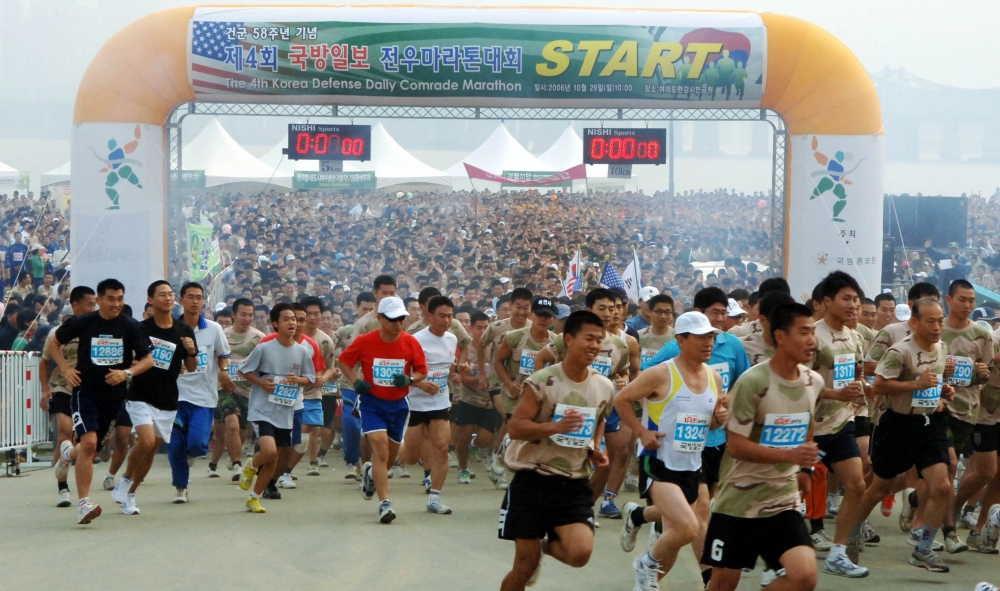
158 386
104 345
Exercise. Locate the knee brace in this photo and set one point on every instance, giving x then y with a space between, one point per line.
302 447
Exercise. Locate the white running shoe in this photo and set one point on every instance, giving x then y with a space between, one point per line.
452 459
385 512
991 531
321 460
953 544
984 586
436 506
463 477
130 508
234 471
353 472
368 485
632 483
769 576
647 578
398 471
833 504
121 491
62 464
109 482
842 566
967 521
427 484
181 497
87 512
821 541
213 472
313 470
285 481
630 531
64 499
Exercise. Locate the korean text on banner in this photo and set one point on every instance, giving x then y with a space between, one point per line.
203 254
680 57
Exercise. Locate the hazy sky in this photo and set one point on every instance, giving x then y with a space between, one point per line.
46 45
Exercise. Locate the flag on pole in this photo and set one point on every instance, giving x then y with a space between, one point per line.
610 278
572 284
633 278
203 252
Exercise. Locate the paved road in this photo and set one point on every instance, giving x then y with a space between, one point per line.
324 533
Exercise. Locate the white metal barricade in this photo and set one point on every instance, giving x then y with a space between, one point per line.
22 421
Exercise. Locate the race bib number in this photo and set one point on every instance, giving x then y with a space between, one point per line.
785 431
577 439
646 355
235 365
105 351
928 397
285 392
383 370
329 388
202 360
723 369
691 432
163 352
843 370
603 365
527 362
963 371
439 377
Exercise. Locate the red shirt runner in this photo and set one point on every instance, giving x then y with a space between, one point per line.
380 361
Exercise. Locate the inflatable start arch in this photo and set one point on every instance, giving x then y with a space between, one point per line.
477 57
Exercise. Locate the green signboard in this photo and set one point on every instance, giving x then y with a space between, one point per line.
532 175
712 59
333 180
188 179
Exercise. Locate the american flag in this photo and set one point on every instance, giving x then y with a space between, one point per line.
215 45
610 278
209 39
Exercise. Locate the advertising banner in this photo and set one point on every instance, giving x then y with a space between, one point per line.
118 197
188 179
531 175
203 253
649 58
835 210
333 180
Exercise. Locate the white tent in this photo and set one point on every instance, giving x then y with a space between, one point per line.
392 164
9 178
567 152
498 153
56 175
225 161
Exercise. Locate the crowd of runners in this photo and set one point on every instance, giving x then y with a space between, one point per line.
432 332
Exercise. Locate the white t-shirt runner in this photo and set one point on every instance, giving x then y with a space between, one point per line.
440 354
200 387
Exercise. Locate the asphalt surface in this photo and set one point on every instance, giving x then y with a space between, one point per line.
325 533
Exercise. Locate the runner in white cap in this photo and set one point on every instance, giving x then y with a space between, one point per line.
682 401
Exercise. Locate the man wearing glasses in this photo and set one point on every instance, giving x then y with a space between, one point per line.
391 361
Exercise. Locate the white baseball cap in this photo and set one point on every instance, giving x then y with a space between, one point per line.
733 309
693 323
392 308
902 312
648 292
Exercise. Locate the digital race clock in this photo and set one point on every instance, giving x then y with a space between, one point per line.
624 146
329 142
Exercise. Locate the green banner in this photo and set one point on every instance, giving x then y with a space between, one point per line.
364 179
188 179
532 175
204 254
710 59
